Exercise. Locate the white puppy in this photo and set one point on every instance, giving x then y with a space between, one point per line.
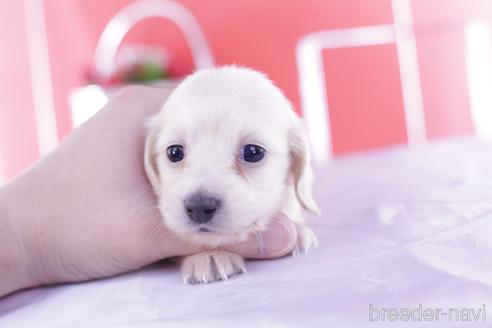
223 156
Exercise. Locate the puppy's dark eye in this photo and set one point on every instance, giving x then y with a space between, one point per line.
252 153
175 153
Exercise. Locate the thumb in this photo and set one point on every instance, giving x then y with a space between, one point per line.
278 240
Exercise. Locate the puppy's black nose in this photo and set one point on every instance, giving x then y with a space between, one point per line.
201 208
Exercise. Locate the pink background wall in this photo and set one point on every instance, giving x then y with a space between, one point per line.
364 89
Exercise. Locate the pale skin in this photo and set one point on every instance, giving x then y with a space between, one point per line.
87 211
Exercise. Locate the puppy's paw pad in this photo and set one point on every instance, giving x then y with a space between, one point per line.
211 266
306 239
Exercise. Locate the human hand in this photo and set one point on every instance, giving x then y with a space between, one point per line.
87 210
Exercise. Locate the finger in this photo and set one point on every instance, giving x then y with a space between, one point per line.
278 240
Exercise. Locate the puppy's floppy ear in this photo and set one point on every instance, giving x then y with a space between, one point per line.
301 167
150 162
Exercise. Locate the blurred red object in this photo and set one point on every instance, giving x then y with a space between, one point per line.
363 84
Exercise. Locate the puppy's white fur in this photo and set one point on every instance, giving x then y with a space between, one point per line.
213 114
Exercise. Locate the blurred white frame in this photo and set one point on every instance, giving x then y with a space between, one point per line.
478 36
312 84
40 69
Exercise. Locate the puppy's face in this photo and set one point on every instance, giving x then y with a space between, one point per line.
221 154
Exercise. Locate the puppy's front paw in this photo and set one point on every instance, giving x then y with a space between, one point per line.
306 239
211 266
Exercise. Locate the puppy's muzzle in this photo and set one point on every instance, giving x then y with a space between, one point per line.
201 208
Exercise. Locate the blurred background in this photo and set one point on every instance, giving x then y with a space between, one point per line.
364 73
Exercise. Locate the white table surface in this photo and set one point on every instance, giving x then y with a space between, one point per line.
399 228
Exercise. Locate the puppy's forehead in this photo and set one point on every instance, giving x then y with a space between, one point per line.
228 102
227 90
222 125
